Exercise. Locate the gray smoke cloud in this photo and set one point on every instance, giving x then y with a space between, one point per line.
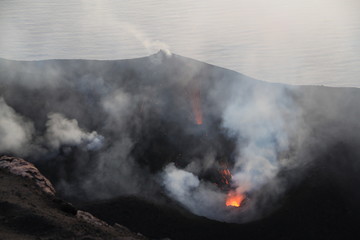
118 106
115 128
267 123
201 197
62 131
16 132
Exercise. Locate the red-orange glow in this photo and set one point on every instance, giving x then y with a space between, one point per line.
225 176
234 199
226 172
196 106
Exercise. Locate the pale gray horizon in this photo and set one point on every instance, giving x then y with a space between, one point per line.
299 42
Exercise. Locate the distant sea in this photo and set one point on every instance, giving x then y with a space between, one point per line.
301 42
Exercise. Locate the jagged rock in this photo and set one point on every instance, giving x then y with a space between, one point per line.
27 213
120 227
65 206
25 169
88 217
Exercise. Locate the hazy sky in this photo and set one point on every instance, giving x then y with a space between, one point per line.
291 41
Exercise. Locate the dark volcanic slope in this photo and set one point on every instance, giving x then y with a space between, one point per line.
101 130
27 212
318 208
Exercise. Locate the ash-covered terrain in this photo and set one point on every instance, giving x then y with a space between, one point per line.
172 147
29 209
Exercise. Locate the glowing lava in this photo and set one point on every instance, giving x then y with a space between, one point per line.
225 176
196 106
234 199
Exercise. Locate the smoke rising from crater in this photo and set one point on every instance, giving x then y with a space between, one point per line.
264 126
61 131
264 122
200 197
15 131
103 129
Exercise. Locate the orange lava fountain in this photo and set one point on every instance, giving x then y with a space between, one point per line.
225 176
234 199
196 106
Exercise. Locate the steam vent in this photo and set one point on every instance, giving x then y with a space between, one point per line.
167 147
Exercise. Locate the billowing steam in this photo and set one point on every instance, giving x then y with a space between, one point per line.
15 131
18 133
61 131
221 144
262 122
196 195
149 44
265 124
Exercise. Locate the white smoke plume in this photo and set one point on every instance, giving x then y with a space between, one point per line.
15 131
265 123
62 131
118 106
143 110
194 194
149 44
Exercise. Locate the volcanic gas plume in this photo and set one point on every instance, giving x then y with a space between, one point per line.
102 129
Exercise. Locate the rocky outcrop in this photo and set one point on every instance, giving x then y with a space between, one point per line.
88 217
25 169
27 213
